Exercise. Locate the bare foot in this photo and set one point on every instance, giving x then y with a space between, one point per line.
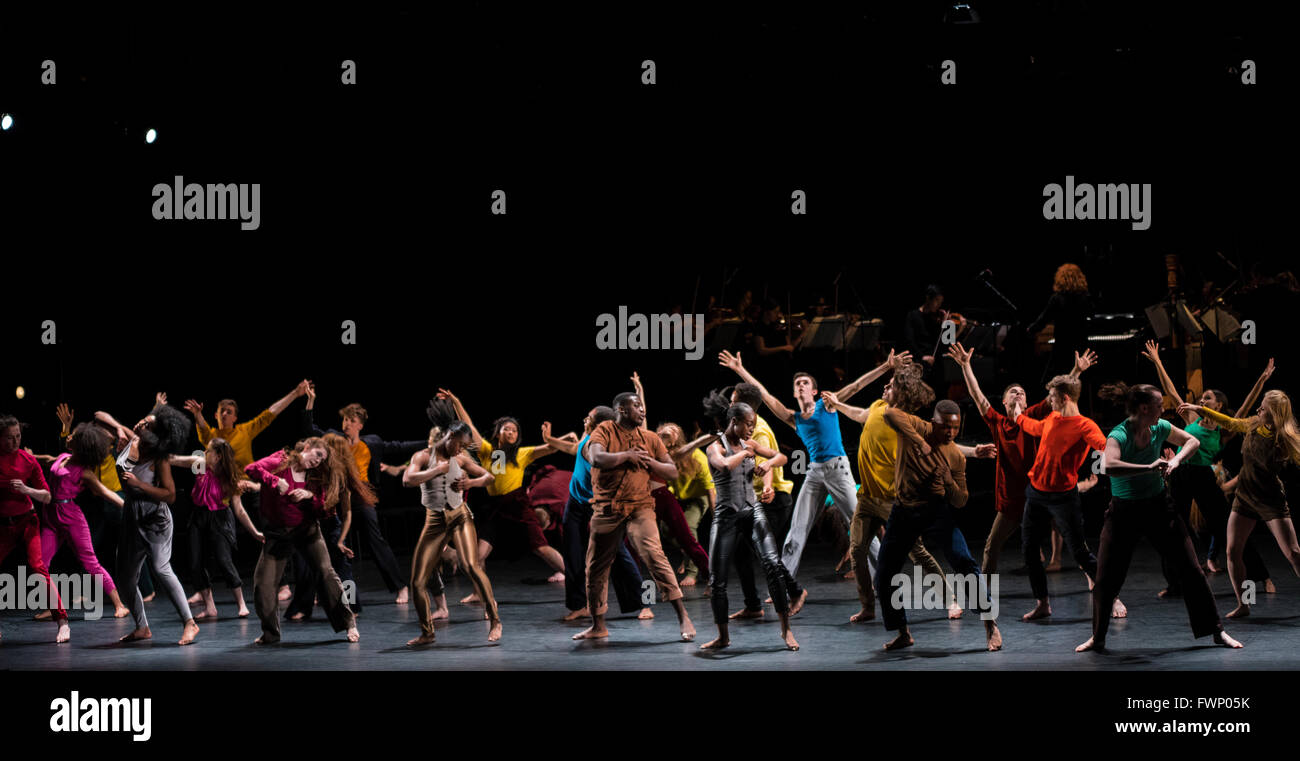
470 599
298 616
745 613
1270 587
901 641
44 615
592 633
209 613
191 631
788 638
1222 638
121 612
1213 566
1165 593
850 575
954 611
646 614
556 578
354 635
149 597
1091 644
1117 609
243 612
285 594
195 598
403 596
1241 611
716 644
139 634
65 633
797 605
574 615
441 613
688 630
1042 610
689 581
994 636
863 615
423 639
1052 567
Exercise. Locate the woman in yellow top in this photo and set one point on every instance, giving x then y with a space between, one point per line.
507 502
1272 441
692 491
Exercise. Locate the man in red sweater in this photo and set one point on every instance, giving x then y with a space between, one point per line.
1065 438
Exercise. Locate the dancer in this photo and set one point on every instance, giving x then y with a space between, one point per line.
1140 506
217 506
1195 480
625 573
62 521
147 525
626 456
240 437
21 481
1272 440
443 472
298 486
877 467
694 477
1016 449
739 519
368 451
507 498
1064 438
819 429
929 480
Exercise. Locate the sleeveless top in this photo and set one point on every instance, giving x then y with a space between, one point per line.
820 433
580 483
438 493
66 478
735 487
143 471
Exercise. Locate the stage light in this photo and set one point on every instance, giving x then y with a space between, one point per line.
151 136
6 121
20 393
961 13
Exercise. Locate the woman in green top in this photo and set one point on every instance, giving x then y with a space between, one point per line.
1272 440
1140 506
1196 480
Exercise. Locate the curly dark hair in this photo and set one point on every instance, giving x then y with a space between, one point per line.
716 404
88 445
166 436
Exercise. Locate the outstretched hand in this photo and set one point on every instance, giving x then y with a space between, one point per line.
960 354
730 361
1083 361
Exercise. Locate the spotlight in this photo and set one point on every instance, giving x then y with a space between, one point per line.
6 121
20 392
151 136
961 13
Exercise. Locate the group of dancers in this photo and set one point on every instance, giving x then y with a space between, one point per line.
628 477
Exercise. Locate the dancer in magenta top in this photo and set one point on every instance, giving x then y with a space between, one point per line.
62 521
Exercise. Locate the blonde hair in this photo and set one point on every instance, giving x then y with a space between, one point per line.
1285 431
687 466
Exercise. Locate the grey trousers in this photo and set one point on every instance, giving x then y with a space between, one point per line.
147 532
833 477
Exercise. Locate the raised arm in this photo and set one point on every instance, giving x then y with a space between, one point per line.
892 362
1082 362
1172 395
640 392
732 361
1256 390
559 444
961 356
831 402
284 401
476 437
1236 425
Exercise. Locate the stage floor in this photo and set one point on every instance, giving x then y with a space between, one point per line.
1154 636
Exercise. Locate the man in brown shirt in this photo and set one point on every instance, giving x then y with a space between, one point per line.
624 456
929 480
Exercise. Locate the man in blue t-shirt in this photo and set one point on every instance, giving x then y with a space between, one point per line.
819 429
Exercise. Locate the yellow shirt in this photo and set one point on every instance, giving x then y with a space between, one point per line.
240 438
108 473
763 435
877 453
697 486
361 453
504 482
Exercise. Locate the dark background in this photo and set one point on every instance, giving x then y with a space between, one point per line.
375 197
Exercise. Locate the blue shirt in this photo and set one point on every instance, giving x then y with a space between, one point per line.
580 484
820 433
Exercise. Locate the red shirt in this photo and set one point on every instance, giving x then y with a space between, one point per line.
277 508
23 467
1016 451
1063 445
